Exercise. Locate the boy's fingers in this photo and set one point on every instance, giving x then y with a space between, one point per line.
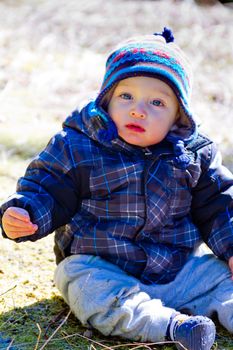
14 235
230 264
18 213
11 228
20 233
16 222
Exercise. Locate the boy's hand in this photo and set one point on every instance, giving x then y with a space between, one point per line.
230 264
16 223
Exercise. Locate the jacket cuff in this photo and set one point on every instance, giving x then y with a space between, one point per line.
221 241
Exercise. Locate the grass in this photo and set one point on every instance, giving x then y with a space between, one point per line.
49 324
51 58
40 320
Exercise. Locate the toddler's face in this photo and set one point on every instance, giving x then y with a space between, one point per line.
143 109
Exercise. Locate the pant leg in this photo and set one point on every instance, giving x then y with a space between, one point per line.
101 294
212 294
221 302
203 287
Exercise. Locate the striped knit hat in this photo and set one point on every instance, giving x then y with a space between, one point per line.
154 56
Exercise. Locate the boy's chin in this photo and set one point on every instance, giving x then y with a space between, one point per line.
135 143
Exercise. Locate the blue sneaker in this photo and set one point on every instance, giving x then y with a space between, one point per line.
193 332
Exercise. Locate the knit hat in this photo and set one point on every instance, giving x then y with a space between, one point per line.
153 56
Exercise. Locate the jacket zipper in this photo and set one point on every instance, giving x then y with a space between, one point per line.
147 166
147 152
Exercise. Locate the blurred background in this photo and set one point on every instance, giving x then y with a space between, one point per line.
52 56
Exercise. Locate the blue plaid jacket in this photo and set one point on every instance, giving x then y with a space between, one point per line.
142 209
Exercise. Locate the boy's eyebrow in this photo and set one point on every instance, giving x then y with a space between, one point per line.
161 91
123 85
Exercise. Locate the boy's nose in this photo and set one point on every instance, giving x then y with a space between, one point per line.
138 112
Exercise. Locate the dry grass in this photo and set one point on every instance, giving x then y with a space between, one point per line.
52 55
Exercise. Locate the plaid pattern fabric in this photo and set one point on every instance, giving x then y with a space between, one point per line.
140 209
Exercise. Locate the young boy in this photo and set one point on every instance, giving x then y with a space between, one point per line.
138 189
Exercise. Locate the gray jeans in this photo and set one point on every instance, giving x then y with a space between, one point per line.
100 294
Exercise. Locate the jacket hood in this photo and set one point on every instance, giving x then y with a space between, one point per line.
155 56
95 123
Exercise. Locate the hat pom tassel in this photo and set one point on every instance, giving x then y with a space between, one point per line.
167 34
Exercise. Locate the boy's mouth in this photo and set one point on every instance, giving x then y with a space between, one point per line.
135 127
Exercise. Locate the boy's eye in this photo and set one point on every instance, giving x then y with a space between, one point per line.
126 96
156 103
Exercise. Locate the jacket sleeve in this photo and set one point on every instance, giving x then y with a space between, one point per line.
49 190
212 204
